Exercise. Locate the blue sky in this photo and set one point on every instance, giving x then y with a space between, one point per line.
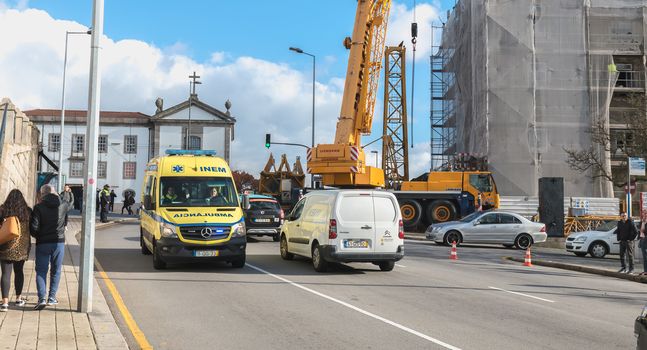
218 36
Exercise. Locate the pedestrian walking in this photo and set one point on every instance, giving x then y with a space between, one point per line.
47 225
129 200
14 253
113 195
642 243
67 196
104 199
626 233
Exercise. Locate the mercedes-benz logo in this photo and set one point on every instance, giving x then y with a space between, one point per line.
206 232
262 212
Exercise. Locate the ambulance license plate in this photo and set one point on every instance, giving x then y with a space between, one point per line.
356 243
262 220
206 253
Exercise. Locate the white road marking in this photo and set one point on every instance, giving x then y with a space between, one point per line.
398 265
369 314
525 295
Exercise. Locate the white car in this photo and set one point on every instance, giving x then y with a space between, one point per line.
490 227
598 243
345 226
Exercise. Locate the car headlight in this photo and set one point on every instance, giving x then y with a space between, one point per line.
238 230
580 239
168 230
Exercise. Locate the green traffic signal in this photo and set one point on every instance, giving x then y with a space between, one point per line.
268 141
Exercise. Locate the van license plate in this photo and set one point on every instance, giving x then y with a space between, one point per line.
262 220
206 253
356 243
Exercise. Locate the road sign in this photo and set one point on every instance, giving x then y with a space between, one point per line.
633 187
636 166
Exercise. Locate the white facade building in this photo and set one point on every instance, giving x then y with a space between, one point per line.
128 140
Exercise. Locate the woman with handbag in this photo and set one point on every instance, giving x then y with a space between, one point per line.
15 252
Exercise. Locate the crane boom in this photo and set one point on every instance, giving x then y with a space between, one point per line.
343 163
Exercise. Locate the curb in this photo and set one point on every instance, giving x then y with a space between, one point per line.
585 269
414 238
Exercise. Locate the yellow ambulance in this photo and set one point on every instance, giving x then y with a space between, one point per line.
190 210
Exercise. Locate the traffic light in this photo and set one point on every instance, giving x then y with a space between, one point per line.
268 140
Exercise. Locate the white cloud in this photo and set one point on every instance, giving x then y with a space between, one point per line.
267 97
400 28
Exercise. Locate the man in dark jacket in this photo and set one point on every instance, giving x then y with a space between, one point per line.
626 234
47 225
104 199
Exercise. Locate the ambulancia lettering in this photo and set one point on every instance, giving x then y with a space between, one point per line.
213 169
191 215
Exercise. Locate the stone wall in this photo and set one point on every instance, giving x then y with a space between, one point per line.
18 152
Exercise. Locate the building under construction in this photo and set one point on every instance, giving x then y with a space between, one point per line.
522 80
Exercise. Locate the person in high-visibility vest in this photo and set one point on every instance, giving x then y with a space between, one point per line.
170 196
104 199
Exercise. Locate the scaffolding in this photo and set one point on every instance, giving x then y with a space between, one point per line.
442 129
395 153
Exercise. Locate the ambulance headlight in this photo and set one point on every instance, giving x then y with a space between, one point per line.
168 230
238 230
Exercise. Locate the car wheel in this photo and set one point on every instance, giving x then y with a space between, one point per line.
523 241
411 213
441 211
238 263
598 250
276 237
453 236
387 265
158 263
285 254
318 262
142 244
581 254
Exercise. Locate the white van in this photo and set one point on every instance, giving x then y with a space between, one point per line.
345 226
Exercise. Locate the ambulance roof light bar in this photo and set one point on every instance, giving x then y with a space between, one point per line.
185 152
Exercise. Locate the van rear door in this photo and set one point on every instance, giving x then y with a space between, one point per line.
356 222
386 223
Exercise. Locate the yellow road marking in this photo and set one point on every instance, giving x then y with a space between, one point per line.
130 321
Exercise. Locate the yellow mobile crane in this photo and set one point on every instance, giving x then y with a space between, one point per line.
343 163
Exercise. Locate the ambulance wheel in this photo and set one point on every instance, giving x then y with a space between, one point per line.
441 211
238 263
411 213
145 249
158 263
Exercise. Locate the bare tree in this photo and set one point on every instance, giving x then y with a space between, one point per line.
605 141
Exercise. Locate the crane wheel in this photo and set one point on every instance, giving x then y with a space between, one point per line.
441 211
411 213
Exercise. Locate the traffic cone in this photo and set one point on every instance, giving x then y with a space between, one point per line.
453 255
528 260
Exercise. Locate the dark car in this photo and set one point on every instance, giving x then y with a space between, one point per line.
264 217
640 328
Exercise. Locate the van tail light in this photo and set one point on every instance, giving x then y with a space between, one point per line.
332 229
543 229
400 229
282 214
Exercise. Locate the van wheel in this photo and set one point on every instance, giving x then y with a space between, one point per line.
276 237
318 262
441 211
238 263
284 249
142 244
387 265
158 263
411 213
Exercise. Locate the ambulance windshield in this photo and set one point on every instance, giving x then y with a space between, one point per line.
197 192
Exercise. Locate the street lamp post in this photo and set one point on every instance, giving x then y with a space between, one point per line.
376 165
60 142
298 50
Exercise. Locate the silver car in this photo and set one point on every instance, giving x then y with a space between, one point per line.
491 227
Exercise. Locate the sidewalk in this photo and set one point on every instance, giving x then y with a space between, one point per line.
61 326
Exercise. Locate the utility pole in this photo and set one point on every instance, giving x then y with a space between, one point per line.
86 270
